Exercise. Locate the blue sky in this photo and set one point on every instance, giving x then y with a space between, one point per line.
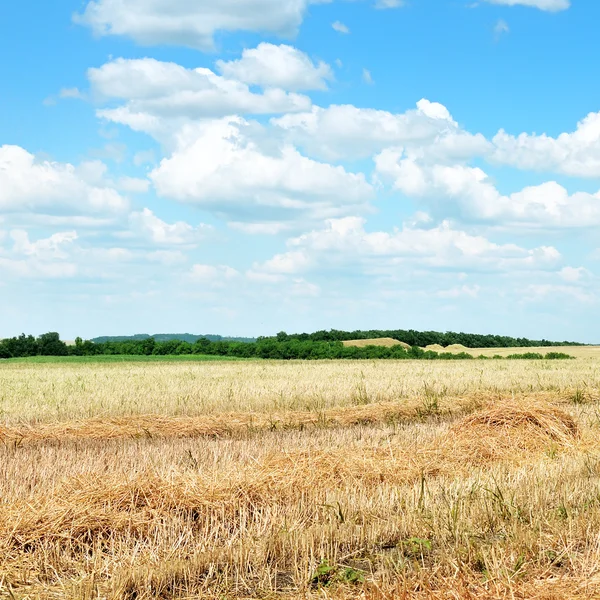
250 166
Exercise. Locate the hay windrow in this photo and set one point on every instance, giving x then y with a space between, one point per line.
511 429
139 426
92 505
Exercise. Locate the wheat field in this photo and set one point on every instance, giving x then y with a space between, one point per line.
333 479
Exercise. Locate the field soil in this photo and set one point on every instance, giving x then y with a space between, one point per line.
332 479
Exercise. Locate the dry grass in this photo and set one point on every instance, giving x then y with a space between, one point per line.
64 392
225 424
378 481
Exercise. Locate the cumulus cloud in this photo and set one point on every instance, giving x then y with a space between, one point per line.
281 66
475 198
52 247
29 185
45 258
345 244
155 90
191 22
217 166
576 153
345 131
547 5
148 225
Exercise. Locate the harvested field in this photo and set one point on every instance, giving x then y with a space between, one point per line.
377 480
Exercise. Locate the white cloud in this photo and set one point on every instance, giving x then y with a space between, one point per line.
301 287
542 292
367 77
345 131
147 224
155 90
45 258
573 274
340 27
72 93
475 198
469 291
218 167
48 248
576 154
28 185
500 28
191 22
281 66
133 185
548 5
167 257
345 245
144 157
259 228
212 275
37 269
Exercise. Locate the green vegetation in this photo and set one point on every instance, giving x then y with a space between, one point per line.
168 337
422 338
50 345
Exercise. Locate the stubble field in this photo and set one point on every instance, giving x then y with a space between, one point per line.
370 479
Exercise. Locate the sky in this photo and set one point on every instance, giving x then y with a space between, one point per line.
245 167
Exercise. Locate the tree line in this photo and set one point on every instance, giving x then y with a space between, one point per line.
167 337
422 338
50 344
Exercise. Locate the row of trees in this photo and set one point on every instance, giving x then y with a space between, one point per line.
422 338
49 344
167 337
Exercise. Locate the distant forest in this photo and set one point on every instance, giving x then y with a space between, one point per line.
318 345
168 337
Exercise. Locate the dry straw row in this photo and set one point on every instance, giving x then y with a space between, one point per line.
87 507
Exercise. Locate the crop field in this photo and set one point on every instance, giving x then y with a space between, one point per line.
473 479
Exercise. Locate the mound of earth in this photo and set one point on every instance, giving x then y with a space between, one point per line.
388 342
435 348
456 348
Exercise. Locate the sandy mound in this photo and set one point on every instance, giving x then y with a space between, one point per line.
435 348
511 430
457 348
388 342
